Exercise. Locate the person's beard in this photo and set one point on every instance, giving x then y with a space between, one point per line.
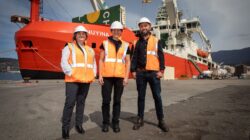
144 33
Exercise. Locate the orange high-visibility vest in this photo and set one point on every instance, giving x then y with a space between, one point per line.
82 64
114 62
152 54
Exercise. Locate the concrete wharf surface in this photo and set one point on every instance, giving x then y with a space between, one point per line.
194 110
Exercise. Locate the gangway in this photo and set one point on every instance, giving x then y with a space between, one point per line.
195 65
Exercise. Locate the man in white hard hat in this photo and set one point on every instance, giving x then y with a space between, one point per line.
114 67
79 67
147 66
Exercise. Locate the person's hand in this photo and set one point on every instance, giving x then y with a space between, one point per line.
101 82
125 81
159 74
134 75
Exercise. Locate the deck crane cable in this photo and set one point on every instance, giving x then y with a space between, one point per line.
46 60
64 9
54 13
18 25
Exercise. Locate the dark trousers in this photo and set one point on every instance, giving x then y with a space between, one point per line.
142 78
107 87
76 93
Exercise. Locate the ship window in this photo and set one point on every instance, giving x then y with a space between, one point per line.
192 57
164 36
194 25
163 27
27 43
188 25
174 26
93 45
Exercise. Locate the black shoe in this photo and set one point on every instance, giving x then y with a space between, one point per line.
105 128
79 129
116 128
139 123
65 134
163 126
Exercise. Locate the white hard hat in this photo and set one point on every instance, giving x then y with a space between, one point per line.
116 25
80 28
144 20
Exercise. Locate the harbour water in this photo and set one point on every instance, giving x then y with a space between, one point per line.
10 76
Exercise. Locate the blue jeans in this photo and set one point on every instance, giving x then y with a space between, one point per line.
142 78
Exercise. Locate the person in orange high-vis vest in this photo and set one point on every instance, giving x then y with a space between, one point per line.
147 66
114 67
79 66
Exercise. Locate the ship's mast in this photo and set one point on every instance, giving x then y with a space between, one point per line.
34 10
172 10
34 14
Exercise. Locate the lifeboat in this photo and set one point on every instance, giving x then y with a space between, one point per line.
202 53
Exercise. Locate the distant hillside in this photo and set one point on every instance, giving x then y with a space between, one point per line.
8 64
232 57
9 60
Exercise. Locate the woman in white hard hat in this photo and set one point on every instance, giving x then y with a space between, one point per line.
78 64
114 66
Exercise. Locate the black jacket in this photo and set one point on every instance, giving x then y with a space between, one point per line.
140 53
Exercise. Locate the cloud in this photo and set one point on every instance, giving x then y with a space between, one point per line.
132 19
223 21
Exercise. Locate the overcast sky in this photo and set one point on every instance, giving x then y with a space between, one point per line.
225 22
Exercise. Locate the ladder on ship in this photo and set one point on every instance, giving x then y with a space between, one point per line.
195 65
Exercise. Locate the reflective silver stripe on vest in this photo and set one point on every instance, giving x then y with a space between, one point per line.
74 64
154 52
151 52
82 65
156 45
73 53
85 54
113 60
125 52
105 45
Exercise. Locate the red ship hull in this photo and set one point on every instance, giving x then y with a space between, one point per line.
39 46
183 67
